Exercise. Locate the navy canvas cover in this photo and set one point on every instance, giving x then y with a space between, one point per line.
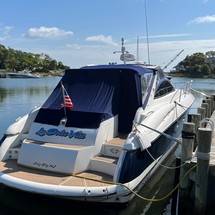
98 93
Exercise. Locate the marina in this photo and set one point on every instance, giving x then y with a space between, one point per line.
99 137
79 142
107 138
34 95
196 190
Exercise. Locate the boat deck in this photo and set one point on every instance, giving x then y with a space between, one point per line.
87 178
11 168
119 140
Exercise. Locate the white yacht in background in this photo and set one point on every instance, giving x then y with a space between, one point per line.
21 74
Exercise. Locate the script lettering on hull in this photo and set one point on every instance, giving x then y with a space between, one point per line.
63 133
45 165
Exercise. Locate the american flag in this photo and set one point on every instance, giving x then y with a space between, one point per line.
66 98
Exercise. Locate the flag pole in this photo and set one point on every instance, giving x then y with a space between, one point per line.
64 106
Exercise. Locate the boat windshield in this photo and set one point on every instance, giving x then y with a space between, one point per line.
145 83
163 85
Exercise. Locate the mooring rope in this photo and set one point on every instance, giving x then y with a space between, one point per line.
162 133
135 193
202 155
168 167
168 136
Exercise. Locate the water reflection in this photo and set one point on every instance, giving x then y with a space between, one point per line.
3 94
19 96
26 87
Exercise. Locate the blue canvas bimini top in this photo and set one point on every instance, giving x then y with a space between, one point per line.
97 93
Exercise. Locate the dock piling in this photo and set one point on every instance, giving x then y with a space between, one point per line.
209 102
206 106
203 158
195 118
193 190
212 97
202 112
188 137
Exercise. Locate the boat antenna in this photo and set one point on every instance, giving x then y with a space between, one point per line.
138 49
123 51
147 34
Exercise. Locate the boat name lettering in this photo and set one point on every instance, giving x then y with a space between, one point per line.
44 165
62 133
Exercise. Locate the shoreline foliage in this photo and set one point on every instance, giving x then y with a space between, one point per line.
197 65
16 60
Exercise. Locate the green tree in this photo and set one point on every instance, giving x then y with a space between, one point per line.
2 56
17 60
196 65
206 69
210 54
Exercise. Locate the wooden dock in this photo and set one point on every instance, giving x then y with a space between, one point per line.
212 149
197 189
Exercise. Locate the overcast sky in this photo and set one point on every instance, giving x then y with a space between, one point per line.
85 32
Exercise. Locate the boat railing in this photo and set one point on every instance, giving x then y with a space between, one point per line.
183 90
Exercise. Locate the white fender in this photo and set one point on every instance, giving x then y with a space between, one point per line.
136 140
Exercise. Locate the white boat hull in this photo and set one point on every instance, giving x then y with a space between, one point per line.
106 162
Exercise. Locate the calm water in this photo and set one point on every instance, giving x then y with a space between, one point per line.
19 96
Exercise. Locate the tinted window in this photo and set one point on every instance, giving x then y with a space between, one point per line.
164 88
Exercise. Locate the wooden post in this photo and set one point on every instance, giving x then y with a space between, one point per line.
205 105
188 137
186 155
208 101
213 101
195 118
174 204
202 112
201 186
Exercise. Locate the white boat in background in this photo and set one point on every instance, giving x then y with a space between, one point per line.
21 74
98 137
